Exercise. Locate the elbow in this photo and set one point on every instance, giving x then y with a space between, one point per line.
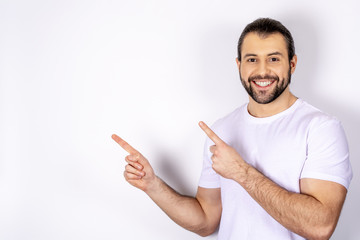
204 232
321 228
326 232
322 232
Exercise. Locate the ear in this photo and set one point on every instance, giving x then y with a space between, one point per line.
293 63
238 63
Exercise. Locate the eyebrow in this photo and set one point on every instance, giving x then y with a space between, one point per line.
275 53
270 54
250 55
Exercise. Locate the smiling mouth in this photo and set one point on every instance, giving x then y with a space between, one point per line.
263 83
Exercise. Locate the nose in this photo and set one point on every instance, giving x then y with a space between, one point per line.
263 68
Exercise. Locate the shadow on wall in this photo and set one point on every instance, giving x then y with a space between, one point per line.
174 177
167 166
307 47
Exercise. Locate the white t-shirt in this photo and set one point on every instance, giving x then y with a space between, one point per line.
300 142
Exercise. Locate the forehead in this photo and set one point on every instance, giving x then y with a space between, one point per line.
255 44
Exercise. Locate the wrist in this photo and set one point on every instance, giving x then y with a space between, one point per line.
153 186
243 174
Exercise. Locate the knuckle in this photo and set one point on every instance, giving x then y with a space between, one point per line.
129 168
139 166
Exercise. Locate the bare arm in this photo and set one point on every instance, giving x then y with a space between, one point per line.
200 214
313 213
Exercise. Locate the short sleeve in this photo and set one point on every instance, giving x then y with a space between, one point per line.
328 154
209 178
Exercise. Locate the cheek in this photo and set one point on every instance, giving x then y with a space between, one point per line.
281 71
244 72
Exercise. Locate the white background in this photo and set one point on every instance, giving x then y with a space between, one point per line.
74 72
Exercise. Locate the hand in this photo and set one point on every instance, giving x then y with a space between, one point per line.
138 172
226 161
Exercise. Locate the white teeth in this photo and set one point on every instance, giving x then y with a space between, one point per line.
263 84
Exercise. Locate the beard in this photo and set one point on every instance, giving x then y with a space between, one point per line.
263 96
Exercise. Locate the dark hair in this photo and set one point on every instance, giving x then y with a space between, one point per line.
264 27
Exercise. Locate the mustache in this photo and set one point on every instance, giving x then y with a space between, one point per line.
265 77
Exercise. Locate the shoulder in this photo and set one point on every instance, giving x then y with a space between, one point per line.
313 117
322 130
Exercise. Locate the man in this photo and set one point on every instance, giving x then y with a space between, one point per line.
277 168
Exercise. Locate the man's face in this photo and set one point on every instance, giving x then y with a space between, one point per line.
264 68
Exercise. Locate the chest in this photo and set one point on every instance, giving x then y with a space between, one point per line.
277 151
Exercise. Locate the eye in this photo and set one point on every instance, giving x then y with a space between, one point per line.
251 60
274 59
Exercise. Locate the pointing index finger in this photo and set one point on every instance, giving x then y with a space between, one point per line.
210 133
124 144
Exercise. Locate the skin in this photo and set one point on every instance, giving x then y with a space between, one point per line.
200 214
266 56
313 213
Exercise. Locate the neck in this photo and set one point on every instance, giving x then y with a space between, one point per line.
283 102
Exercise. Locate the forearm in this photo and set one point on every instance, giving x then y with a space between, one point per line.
200 215
313 213
183 210
300 213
